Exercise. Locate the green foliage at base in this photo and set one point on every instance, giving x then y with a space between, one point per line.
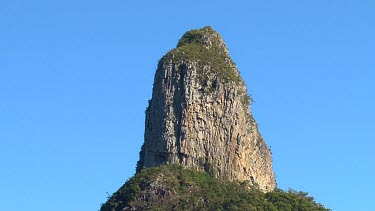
190 189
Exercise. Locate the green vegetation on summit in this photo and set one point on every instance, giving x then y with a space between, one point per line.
174 187
206 47
197 36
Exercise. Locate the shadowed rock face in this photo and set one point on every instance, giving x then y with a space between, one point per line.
199 114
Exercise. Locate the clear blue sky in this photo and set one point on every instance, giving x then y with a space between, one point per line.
75 78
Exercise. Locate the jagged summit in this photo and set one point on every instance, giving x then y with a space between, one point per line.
199 115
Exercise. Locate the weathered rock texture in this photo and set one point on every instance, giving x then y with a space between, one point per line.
199 114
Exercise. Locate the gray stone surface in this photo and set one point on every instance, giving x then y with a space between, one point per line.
199 115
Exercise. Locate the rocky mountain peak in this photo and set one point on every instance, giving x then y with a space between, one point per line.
199 115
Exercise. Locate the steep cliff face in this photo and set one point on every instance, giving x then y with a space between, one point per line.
199 114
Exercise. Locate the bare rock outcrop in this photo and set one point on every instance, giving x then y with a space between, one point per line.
199 114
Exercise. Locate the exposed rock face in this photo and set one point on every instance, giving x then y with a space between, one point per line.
199 114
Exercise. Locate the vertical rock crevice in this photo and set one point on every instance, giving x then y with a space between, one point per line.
178 107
